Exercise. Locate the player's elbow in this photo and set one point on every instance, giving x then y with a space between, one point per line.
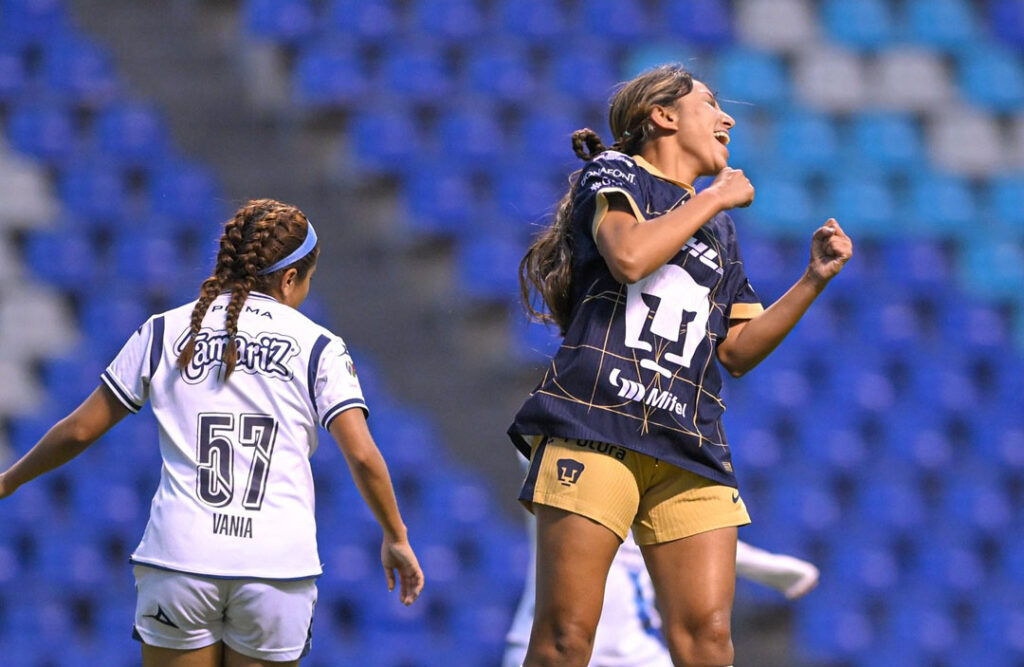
626 268
75 432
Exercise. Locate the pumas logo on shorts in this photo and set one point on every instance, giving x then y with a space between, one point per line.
569 471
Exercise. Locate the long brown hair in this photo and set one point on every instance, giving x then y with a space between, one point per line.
546 269
260 233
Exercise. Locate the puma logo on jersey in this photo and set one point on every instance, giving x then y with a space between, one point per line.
252 310
264 354
654 397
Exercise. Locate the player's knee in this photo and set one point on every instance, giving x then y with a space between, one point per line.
704 639
565 641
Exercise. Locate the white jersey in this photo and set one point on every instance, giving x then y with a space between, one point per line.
628 632
236 491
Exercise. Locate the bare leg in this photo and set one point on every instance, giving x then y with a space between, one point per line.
694 581
573 557
207 656
233 658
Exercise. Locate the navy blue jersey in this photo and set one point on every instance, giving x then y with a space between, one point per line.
637 365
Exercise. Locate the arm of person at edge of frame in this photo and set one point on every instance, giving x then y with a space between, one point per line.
633 251
750 341
66 439
370 474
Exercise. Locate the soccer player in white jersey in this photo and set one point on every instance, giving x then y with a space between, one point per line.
238 381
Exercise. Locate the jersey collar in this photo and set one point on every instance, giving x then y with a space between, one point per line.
654 171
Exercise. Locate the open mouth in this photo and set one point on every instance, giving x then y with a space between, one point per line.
722 137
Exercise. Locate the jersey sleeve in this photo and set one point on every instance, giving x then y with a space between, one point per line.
336 387
128 375
610 172
744 304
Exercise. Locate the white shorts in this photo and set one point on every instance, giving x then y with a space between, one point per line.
264 619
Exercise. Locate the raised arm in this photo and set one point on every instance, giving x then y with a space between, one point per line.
750 341
66 439
370 474
634 250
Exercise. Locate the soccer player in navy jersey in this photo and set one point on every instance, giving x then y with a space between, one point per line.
239 381
645 280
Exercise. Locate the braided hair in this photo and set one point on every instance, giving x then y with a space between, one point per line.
546 269
258 235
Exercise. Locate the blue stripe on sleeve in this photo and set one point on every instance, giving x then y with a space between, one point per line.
156 345
314 364
338 408
120 393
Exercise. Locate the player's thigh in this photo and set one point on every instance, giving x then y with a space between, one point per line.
233 658
207 656
694 577
573 557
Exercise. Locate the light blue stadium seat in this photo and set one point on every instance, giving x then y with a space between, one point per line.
501 73
751 77
488 266
384 141
363 21
886 142
1005 194
279 21
80 72
993 78
866 204
784 208
992 267
1006 19
584 75
538 21
46 133
621 21
940 205
703 22
330 76
807 141
946 24
859 23
417 72
451 20
133 134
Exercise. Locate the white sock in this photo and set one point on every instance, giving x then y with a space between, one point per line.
789 575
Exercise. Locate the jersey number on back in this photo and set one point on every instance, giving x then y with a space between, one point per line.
215 456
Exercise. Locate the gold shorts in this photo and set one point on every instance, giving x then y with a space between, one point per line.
619 488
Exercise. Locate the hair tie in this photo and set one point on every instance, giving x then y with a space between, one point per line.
627 134
297 254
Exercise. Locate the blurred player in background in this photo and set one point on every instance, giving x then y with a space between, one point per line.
238 380
624 431
628 634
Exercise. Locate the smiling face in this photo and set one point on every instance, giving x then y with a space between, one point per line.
703 130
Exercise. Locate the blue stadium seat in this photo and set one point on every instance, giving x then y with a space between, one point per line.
80 72
930 625
488 266
65 257
441 200
834 623
109 319
992 267
329 76
993 78
187 192
946 24
501 73
807 141
150 257
784 207
886 142
526 194
417 72
859 23
977 500
865 561
95 190
279 21
1006 20
133 134
546 137
702 22
533 342
619 21
451 20
866 204
46 133
585 75
751 77
385 141
14 75
363 21
34 21
538 21
891 500
1005 193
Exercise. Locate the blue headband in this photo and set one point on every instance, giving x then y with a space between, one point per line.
297 254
